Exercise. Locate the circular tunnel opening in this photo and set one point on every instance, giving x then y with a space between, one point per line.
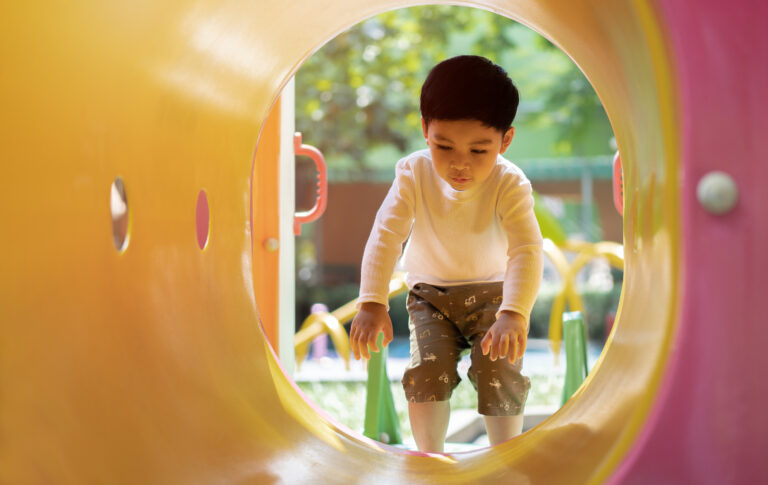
620 50
564 142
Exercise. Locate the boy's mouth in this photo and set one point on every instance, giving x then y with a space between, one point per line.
460 180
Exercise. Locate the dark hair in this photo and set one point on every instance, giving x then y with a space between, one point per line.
470 87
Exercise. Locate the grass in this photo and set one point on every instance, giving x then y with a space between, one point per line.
345 400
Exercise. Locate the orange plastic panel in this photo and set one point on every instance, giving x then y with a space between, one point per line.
265 220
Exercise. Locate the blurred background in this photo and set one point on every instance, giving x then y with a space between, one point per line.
357 100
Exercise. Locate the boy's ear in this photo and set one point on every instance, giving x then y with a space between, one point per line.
424 129
507 139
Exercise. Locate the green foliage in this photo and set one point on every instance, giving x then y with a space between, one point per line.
548 223
598 304
357 97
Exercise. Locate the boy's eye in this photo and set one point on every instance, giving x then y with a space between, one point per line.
479 151
443 147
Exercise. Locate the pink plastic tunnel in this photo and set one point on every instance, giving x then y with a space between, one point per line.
148 365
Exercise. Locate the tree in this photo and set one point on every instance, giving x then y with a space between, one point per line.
357 97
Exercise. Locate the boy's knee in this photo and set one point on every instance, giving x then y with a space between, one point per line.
501 388
426 383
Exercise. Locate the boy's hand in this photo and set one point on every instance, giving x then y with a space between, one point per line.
371 320
506 338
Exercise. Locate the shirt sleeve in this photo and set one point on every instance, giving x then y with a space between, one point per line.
524 254
390 230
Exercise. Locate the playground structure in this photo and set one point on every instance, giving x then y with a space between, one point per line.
333 324
147 365
322 322
568 294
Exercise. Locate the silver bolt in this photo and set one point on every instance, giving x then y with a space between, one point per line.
717 192
271 244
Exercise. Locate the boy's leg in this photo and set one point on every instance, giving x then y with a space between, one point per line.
503 428
431 376
501 388
429 424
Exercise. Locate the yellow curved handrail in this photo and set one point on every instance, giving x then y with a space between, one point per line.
316 324
333 323
586 251
567 293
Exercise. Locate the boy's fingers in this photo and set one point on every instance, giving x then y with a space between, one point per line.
372 342
495 347
356 339
353 347
363 345
523 344
387 335
513 350
485 344
504 346
353 340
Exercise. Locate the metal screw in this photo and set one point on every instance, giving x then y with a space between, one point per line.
717 192
271 244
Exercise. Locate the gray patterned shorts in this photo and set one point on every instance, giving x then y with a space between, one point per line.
444 321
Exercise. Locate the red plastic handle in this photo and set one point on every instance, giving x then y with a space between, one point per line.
618 185
322 184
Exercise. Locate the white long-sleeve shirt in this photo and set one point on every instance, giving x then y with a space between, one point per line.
483 234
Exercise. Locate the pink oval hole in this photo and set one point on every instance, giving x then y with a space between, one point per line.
203 219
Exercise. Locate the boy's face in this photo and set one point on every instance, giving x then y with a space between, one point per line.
464 151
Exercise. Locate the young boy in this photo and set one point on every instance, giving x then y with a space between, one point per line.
473 259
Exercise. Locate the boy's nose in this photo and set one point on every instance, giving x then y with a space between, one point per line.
459 164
